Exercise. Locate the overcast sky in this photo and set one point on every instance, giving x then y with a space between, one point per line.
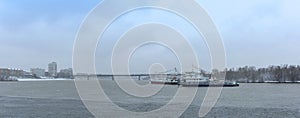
34 33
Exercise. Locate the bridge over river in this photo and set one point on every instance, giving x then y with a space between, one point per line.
114 76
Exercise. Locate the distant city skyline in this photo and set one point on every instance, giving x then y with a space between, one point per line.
255 33
52 66
46 67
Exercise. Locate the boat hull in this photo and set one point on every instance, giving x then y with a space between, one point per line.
210 85
167 83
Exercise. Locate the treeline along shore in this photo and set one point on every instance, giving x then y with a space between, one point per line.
272 74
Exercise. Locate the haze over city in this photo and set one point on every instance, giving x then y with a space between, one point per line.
255 33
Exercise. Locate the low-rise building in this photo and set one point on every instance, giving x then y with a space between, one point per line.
7 73
16 72
4 73
38 72
65 73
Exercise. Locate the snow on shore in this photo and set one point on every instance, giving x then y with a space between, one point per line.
30 79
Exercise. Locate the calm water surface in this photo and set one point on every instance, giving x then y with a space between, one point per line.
60 99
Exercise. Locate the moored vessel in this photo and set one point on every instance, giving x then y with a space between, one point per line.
194 79
191 79
168 79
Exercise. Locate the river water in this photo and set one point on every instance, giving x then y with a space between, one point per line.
60 99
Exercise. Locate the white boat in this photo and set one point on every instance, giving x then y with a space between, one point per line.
190 79
194 79
165 79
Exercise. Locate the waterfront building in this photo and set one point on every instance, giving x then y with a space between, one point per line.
52 69
65 73
4 73
16 72
38 72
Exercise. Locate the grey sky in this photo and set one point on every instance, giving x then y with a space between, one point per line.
259 33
